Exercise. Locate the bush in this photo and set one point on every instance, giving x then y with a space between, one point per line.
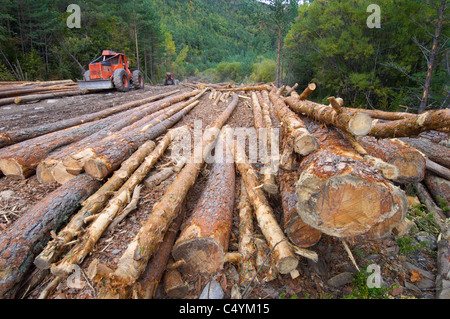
265 71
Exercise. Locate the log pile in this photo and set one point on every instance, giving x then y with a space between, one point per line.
343 173
23 92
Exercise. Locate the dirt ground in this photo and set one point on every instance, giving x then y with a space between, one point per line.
334 276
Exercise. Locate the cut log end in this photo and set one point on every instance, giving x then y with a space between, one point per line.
360 124
97 168
347 206
43 173
270 188
305 145
287 264
201 255
11 168
301 234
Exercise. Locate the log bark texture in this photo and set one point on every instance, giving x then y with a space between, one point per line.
342 195
285 258
438 187
304 143
301 234
203 242
410 163
430 120
92 206
30 233
357 124
437 153
27 133
147 241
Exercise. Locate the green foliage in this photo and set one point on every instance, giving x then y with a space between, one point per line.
331 45
362 291
264 71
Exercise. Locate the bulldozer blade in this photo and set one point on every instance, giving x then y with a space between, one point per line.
95 85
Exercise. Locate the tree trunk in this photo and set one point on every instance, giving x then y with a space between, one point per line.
357 124
430 120
306 92
106 216
304 143
145 287
109 153
31 132
285 258
432 57
438 169
123 122
343 195
438 187
203 242
147 241
436 153
301 234
247 247
91 206
410 163
30 233
443 269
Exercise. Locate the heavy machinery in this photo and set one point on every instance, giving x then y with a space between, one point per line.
111 70
170 79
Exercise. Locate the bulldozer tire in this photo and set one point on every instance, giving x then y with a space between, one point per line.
121 80
87 76
137 80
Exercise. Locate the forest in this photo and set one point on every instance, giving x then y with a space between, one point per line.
330 43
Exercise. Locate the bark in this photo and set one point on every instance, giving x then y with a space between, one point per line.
285 258
105 217
301 234
247 248
306 92
430 120
246 88
383 115
437 153
145 288
108 154
426 199
75 154
147 241
31 132
263 122
203 242
304 143
438 169
410 163
432 57
443 269
438 187
343 195
30 233
158 178
357 124
92 206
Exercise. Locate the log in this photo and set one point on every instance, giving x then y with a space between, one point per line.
356 124
438 169
22 134
29 234
246 88
435 152
383 115
146 242
25 91
438 187
410 163
304 143
174 285
158 178
307 92
430 120
109 153
301 234
343 195
145 287
92 206
203 242
285 258
426 199
107 215
443 269
247 247
75 165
